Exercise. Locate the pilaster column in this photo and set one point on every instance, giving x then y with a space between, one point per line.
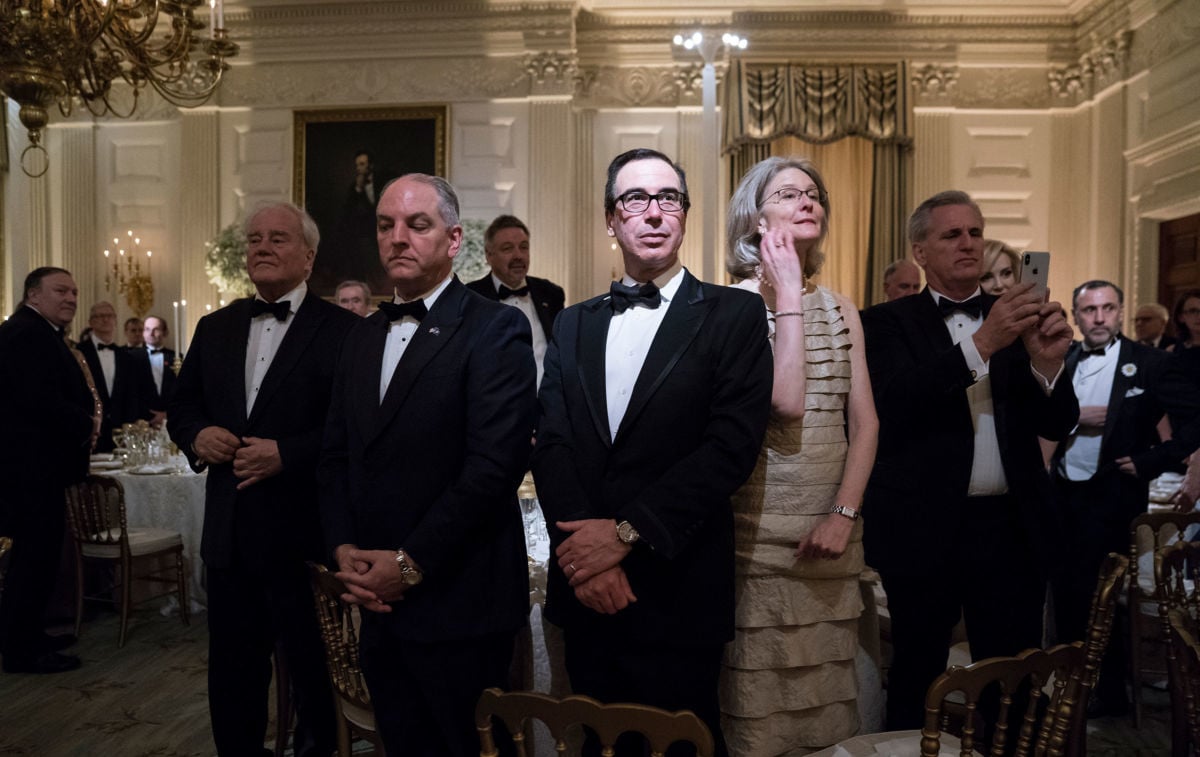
199 215
552 197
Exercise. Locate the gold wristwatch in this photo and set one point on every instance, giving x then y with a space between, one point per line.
409 574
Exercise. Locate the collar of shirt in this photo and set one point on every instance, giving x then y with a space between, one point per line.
667 282
938 296
497 282
430 297
296 297
44 318
1100 351
96 341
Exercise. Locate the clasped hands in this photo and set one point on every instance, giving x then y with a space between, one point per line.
253 459
590 557
372 577
1042 326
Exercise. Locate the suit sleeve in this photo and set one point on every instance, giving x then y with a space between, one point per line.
333 472
1178 394
186 413
501 396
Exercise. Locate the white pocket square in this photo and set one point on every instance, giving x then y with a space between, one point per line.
1135 391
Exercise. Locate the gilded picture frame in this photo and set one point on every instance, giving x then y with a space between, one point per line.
328 180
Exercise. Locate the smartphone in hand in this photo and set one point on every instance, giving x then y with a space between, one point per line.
1035 267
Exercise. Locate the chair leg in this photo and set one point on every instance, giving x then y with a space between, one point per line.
1135 656
78 589
126 584
184 609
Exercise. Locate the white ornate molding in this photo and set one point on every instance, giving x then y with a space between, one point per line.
935 81
1104 64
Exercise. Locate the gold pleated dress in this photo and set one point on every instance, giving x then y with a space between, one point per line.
788 685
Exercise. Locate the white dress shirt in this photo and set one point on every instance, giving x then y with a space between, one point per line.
156 366
1093 382
630 335
400 333
108 362
987 470
266 334
526 305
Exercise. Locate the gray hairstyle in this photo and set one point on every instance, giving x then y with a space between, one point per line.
894 266
1158 309
922 218
745 210
308 227
447 198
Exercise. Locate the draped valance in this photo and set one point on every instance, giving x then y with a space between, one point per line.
816 103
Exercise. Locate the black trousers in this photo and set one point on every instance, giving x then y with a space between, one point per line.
1096 515
425 693
989 578
35 518
248 612
670 676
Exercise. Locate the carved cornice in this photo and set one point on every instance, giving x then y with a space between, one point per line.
935 81
1105 64
639 86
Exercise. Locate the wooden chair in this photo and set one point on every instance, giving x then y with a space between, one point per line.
1185 639
1177 570
1104 605
1148 533
5 548
96 514
1047 719
339 633
517 708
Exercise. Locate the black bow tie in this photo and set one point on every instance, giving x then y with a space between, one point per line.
624 297
112 347
1097 352
505 292
278 309
155 351
972 307
415 309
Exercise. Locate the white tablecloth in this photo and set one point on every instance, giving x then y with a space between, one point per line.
174 501
890 744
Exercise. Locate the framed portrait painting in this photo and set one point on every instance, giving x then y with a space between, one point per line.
343 160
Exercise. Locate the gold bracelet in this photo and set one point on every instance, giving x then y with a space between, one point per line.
790 312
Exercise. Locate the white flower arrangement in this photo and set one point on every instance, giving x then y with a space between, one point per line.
225 261
471 261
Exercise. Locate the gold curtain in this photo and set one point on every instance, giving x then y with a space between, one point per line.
850 160
809 110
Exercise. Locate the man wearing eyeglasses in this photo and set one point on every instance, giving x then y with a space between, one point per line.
1102 470
653 408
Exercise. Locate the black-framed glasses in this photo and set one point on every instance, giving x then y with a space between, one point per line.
669 201
791 196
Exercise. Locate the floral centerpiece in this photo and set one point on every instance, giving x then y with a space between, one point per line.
225 261
471 263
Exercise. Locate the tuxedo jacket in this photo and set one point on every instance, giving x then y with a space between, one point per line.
434 468
149 398
47 410
689 438
548 298
121 403
917 491
275 518
1147 384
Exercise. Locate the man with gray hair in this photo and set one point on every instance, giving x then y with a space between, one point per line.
959 507
250 406
354 296
1150 326
434 402
900 279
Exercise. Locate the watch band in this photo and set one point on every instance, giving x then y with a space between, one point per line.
848 512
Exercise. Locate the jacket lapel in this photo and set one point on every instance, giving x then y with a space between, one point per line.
295 343
433 333
235 370
1120 385
593 343
682 322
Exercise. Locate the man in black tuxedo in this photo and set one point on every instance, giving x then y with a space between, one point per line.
50 422
1102 470
114 371
155 365
961 517
428 437
250 405
506 244
1150 326
654 405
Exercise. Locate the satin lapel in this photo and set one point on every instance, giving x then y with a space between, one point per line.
684 318
364 378
593 342
239 335
931 323
1071 361
431 336
1120 385
295 342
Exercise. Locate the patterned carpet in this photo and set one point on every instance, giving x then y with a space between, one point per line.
149 699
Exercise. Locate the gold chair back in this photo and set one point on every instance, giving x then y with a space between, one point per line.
1185 639
1046 720
338 621
1177 574
1148 533
517 708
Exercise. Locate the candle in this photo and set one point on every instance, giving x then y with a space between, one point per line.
183 334
176 324
148 254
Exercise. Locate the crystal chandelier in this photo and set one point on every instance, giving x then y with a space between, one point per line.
57 51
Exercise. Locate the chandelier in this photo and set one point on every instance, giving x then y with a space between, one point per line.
60 51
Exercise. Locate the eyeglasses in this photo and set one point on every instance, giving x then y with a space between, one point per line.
791 196
669 201
1190 312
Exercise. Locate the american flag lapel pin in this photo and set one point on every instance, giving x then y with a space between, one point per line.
434 330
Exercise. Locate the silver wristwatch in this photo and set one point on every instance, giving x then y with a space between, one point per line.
627 533
849 512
